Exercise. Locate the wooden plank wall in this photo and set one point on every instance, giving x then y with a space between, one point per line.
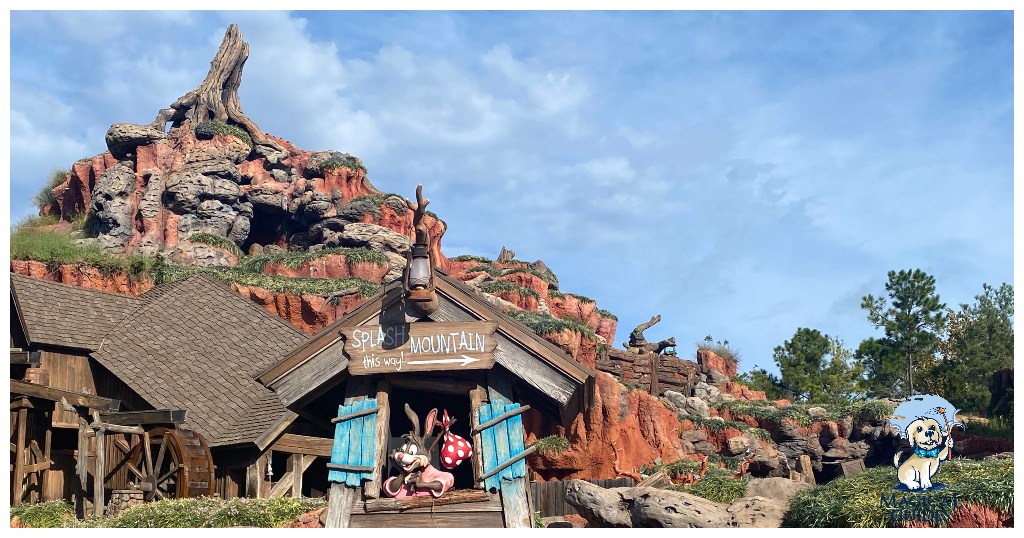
549 497
69 372
673 373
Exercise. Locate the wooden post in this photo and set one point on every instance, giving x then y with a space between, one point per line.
515 499
383 432
655 365
19 462
252 479
341 497
99 472
45 475
265 481
477 397
295 464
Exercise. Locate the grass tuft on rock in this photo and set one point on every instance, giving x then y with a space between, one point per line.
857 501
551 444
224 129
482 268
717 486
377 199
56 249
294 260
216 241
470 257
503 286
765 411
543 324
44 198
282 284
606 314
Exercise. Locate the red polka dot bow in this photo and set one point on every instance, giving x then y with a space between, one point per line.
455 449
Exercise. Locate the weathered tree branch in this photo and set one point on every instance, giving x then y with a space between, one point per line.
419 209
216 98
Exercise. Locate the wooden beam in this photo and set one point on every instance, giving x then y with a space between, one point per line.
507 463
445 385
355 414
47 448
101 426
282 485
477 397
303 444
21 356
504 416
275 430
454 497
55 395
138 418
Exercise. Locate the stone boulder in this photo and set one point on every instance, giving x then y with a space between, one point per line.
706 392
764 506
123 138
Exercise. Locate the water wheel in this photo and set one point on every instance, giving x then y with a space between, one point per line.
172 464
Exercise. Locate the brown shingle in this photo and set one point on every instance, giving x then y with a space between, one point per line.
69 316
192 344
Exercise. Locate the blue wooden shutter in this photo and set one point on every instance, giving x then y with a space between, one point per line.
354 443
501 442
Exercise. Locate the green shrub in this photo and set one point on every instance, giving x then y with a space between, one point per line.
583 298
683 466
543 323
294 260
55 249
489 269
606 314
225 129
216 241
46 515
765 411
555 294
994 427
856 501
470 257
44 198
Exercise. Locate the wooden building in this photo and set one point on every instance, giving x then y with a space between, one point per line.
466 357
164 380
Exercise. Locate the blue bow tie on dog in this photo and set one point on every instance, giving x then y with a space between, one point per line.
933 453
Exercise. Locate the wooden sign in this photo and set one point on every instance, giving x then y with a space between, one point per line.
420 347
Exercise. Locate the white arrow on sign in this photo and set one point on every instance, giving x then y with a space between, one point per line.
464 360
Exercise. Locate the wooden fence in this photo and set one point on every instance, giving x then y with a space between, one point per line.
549 497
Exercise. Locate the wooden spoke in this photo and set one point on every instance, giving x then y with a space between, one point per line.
159 457
168 474
148 450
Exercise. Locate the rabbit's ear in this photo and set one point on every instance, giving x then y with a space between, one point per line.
428 426
414 418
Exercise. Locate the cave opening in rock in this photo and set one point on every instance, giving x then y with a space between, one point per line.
265 228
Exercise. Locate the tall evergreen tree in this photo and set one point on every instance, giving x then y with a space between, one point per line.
978 340
912 317
817 368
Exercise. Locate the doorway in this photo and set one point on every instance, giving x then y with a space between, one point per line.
421 403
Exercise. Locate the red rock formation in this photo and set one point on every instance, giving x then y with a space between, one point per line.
82 275
743 392
577 345
606 328
330 266
635 427
307 312
709 360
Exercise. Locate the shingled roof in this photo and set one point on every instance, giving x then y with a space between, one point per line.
87 314
192 344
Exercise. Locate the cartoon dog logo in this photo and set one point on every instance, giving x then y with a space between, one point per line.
918 420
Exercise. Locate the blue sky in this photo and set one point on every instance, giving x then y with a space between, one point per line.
741 173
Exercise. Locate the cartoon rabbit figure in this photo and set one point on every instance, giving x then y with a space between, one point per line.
418 478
